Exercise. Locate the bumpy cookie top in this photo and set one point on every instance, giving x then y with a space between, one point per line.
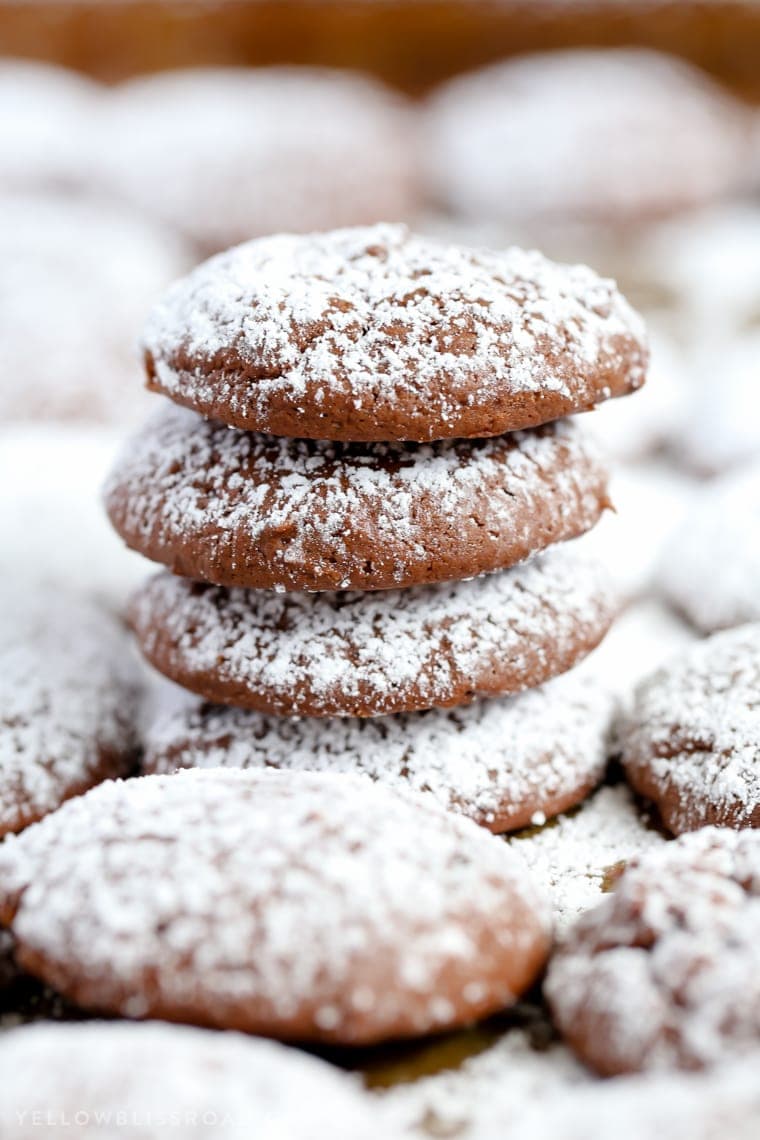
692 741
377 334
243 509
288 904
710 567
211 1084
610 136
68 703
359 654
501 762
665 972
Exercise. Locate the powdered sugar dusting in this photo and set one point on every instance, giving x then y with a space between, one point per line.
377 312
499 761
184 480
384 651
268 900
68 702
136 1076
693 736
666 971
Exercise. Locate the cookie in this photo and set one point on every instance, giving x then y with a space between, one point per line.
78 278
377 334
68 702
692 741
227 154
104 1079
367 654
48 128
503 763
665 972
709 570
285 904
590 136
240 509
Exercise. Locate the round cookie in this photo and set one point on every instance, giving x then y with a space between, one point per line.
709 569
377 334
68 702
665 972
284 904
226 154
367 654
692 741
585 136
240 509
503 763
104 1079
78 277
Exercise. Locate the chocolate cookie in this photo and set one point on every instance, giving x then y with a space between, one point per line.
710 568
68 702
376 334
612 137
503 763
692 741
227 153
366 654
107 1079
665 972
240 509
285 904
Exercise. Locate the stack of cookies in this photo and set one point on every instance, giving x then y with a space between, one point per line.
364 501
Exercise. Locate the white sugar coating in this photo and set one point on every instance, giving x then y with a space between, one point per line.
423 646
492 760
52 524
181 479
68 701
639 425
275 897
665 972
227 154
573 856
126 1079
724 1102
709 569
78 278
615 135
357 310
722 428
694 731
650 500
48 127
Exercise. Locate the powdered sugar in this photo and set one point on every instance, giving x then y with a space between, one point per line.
324 512
710 567
377 314
612 135
693 736
124 1079
280 903
500 762
666 971
386 651
68 702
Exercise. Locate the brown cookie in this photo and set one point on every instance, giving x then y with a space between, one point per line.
240 509
367 654
504 763
665 972
68 703
108 1079
691 743
376 334
285 904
